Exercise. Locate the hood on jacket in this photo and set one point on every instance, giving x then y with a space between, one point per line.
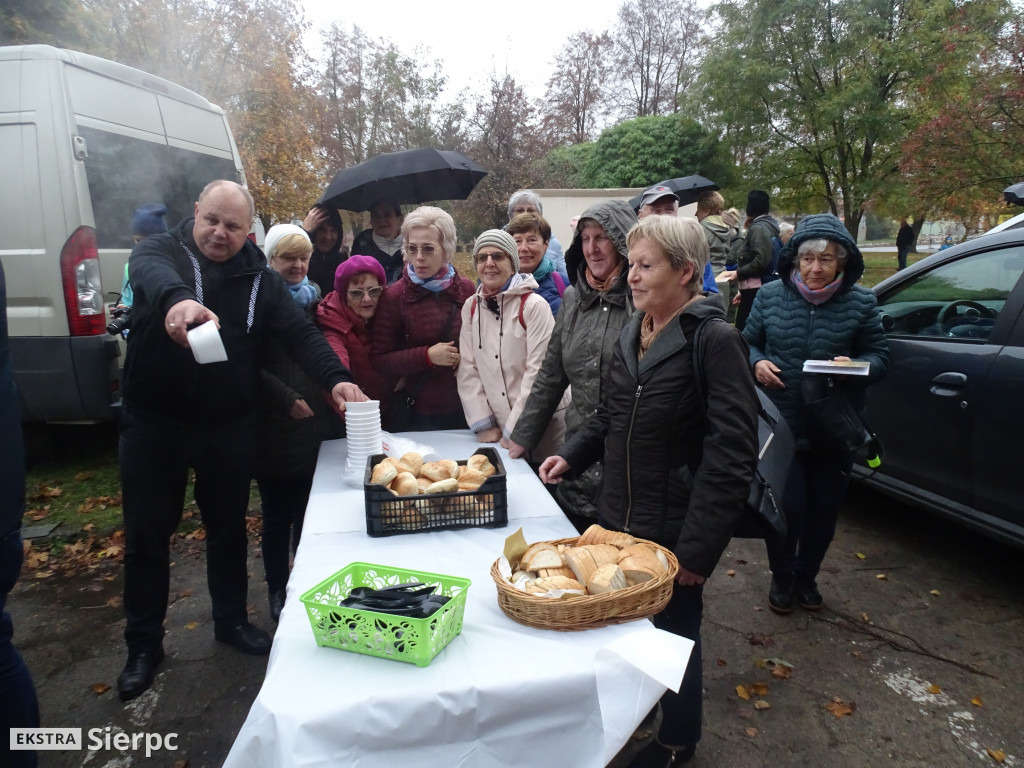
518 284
616 217
333 217
718 228
828 226
334 314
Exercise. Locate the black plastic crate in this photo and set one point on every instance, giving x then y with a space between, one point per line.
389 515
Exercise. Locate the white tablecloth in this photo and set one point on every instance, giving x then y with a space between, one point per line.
499 694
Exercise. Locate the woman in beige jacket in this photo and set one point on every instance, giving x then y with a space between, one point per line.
504 337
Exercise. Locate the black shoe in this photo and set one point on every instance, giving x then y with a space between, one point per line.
138 672
245 637
780 594
276 604
654 755
808 596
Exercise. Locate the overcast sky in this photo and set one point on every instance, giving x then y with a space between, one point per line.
473 38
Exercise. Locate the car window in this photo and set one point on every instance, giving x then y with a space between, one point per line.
960 299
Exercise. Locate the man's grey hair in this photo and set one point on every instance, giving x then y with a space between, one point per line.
524 194
217 183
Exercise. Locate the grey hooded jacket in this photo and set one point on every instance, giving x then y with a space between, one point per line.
580 351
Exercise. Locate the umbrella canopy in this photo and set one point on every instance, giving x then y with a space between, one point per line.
687 188
1014 194
411 176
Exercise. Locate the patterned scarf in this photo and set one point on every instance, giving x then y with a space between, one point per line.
820 296
603 285
304 293
437 283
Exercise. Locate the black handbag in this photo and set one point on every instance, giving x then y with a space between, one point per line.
830 420
763 515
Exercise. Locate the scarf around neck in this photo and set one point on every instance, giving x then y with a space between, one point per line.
304 293
820 296
603 285
545 268
435 284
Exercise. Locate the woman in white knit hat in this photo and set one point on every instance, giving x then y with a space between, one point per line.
505 332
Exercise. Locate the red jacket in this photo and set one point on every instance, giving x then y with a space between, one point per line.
349 337
409 320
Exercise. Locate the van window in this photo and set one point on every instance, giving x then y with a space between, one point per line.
124 173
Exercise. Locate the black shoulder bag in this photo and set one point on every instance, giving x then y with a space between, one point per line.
763 516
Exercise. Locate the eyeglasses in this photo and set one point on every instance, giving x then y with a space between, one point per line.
826 262
356 294
426 250
497 258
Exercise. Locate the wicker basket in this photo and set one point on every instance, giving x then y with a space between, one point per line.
588 611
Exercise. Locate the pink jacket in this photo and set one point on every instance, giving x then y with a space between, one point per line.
501 358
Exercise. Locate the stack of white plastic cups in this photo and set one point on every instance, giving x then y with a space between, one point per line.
362 429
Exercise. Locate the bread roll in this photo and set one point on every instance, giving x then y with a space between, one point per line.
481 464
446 485
434 472
405 484
423 483
452 466
562 571
383 473
607 578
540 555
470 479
412 460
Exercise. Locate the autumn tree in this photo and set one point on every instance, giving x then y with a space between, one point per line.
659 46
959 160
63 23
245 56
577 97
505 138
820 94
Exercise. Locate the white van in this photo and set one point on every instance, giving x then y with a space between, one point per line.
83 143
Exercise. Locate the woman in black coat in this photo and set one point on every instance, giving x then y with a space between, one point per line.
677 469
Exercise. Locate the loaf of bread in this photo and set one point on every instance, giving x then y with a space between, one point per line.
383 473
481 464
595 534
452 466
470 479
446 485
559 582
607 578
405 484
540 555
435 472
413 461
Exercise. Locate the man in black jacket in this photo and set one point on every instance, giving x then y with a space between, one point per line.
904 242
179 414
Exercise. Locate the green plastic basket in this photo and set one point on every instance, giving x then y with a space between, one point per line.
401 638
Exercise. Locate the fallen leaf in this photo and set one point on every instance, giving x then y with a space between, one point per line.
722 663
935 592
113 551
782 673
746 714
185 593
765 641
996 754
192 625
88 526
865 618
180 764
933 688
730 572
758 608
976 701
82 476
49 493
860 555
760 689
881 576
761 704
742 692
751 732
115 601
43 574
839 708
100 688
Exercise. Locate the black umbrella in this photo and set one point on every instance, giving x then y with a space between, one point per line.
1014 194
687 188
412 176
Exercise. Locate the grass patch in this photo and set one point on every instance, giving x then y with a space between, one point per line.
879 265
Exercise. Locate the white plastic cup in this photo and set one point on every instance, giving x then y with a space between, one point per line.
206 345
367 407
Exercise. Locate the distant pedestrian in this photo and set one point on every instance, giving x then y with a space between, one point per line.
904 242
755 254
947 243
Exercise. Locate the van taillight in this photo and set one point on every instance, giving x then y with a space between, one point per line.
83 291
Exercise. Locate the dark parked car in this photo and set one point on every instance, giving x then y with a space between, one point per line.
950 412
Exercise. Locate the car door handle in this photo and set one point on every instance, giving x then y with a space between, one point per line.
948 384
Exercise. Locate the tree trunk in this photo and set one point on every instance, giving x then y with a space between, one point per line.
917 226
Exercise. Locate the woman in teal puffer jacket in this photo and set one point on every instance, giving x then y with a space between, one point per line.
815 312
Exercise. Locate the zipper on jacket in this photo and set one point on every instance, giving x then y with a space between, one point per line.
629 462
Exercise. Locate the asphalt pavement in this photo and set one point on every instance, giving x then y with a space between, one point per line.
915 661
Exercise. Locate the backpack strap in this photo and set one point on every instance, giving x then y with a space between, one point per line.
522 303
559 284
